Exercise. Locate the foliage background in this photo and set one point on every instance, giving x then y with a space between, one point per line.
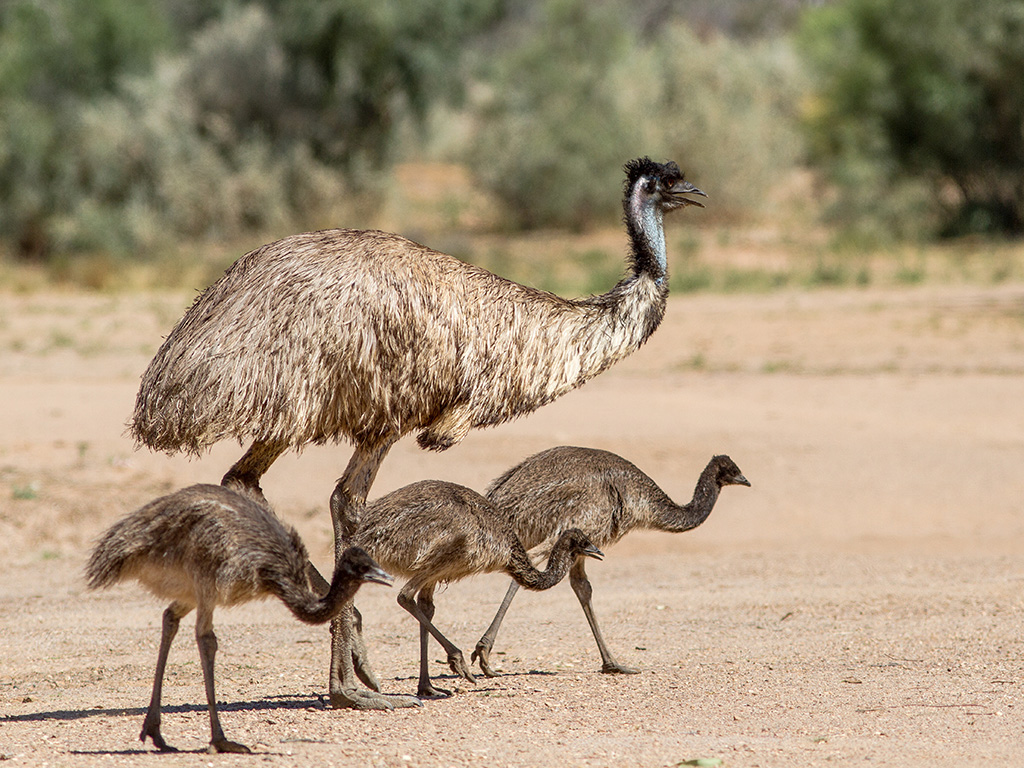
131 127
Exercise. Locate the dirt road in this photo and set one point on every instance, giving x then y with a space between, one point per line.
862 603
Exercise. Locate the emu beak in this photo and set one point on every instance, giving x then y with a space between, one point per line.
741 480
675 193
379 576
593 552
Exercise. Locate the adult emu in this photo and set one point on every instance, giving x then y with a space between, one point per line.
366 336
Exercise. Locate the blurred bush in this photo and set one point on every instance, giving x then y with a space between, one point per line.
55 58
566 106
550 133
727 110
918 113
127 123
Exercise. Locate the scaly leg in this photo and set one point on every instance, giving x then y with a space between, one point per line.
347 651
245 473
360 657
151 725
456 660
426 689
486 642
207 642
581 586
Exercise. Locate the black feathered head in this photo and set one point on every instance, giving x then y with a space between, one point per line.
663 182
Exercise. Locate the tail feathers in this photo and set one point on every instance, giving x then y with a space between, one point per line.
102 570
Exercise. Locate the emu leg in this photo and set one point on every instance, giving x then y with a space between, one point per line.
426 689
456 660
345 691
245 476
581 586
207 642
151 725
486 642
245 473
347 651
360 657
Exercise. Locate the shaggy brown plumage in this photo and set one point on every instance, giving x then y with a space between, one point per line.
606 497
365 336
205 546
433 532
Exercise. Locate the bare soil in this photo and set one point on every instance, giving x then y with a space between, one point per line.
861 604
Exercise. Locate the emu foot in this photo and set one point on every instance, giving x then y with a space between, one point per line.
353 698
429 692
223 745
614 668
457 662
483 655
151 728
367 677
363 670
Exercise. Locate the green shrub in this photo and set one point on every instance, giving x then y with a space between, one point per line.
55 57
583 92
551 139
918 112
120 131
727 111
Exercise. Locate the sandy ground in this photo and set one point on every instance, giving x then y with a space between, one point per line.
861 604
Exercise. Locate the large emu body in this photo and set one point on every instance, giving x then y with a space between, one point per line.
206 546
365 336
433 532
606 497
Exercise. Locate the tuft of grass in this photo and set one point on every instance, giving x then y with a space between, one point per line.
61 340
25 492
910 274
779 366
1002 271
753 280
692 278
697 362
601 270
828 272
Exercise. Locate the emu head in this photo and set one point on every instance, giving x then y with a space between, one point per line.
661 184
727 473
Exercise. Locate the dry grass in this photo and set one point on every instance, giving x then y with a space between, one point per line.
438 205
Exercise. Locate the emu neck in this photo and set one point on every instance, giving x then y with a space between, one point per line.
676 518
626 317
312 610
526 575
645 224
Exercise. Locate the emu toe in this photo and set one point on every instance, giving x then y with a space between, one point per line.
482 654
152 730
223 745
429 692
367 700
458 664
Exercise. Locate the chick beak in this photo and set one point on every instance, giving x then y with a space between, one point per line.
379 576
